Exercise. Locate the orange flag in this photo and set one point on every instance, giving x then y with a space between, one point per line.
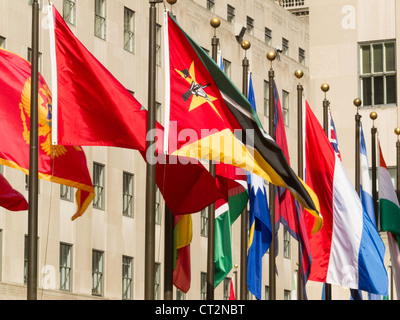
62 164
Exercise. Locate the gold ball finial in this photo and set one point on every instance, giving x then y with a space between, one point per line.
171 2
325 87
299 73
246 44
236 266
215 23
357 102
271 55
397 131
373 115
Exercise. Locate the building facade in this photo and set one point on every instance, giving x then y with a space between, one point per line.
101 254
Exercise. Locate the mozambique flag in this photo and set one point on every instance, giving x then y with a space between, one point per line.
209 118
61 164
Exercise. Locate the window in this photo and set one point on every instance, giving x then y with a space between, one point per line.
70 11
129 30
127 194
158 113
100 19
378 73
98 184
268 36
211 5
285 46
66 193
266 292
302 56
65 266
227 67
286 244
158 45
26 259
250 25
230 14
157 281
180 295
227 288
97 273
285 107
287 295
127 278
158 206
203 286
2 42
204 222
29 58
266 98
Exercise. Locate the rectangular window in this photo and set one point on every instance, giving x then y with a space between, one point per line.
129 30
2 42
158 206
203 286
69 9
211 5
266 98
127 194
227 288
227 67
127 278
158 45
26 259
65 266
180 295
268 36
285 107
97 272
266 292
250 25
159 113
285 47
66 193
157 281
302 56
230 14
204 222
286 244
100 19
98 184
378 85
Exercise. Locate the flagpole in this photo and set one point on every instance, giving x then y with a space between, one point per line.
299 74
325 104
33 161
397 132
169 243
244 216
151 168
272 249
357 103
215 23
374 116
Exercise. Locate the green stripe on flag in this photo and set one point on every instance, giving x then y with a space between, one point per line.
390 216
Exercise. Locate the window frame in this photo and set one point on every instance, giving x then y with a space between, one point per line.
97 272
128 189
65 268
72 6
102 18
99 195
130 31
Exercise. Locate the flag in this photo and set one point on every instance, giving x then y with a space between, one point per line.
389 210
10 198
231 292
333 136
61 164
259 223
348 250
208 117
233 185
287 209
182 240
93 109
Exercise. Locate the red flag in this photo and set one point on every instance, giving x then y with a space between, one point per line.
11 199
93 108
231 292
62 164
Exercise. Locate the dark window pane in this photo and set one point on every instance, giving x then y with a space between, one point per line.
378 90
391 89
367 91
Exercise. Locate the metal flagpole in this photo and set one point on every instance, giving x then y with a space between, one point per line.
325 104
33 161
272 249
151 168
374 116
357 103
397 132
244 219
215 23
299 74
169 244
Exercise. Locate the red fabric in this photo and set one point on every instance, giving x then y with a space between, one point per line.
231 292
95 109
320 166
68 165
11 199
